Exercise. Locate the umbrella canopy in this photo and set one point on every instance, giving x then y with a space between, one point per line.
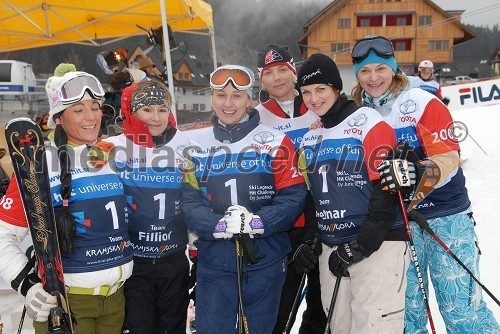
26 24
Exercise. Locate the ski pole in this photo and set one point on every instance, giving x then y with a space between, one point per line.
242 319
332 305
415 261
423 224
297 300
21 321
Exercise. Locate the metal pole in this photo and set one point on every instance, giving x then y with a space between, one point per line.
168 58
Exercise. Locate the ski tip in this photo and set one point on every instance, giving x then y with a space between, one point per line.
20 119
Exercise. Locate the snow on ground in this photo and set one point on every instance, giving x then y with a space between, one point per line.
482 171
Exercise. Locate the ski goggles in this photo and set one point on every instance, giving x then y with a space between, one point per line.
380 45
241 77
426 70
74 89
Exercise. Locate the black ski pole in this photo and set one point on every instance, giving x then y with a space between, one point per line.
423 224
21 321
296 301
242 319
332 305
415 261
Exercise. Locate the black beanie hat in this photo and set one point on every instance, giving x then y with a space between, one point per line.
319 69
275 54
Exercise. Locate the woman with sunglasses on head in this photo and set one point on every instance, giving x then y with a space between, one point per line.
243 187
90 208
362 247
149 158
422 121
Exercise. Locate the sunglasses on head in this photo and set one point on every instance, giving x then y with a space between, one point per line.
74 89
380 45
241 77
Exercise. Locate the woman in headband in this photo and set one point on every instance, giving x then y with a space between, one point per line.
243 188
90 208
149 158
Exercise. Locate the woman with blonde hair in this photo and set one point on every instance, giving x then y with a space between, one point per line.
421 120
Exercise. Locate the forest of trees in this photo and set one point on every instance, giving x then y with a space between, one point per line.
240 35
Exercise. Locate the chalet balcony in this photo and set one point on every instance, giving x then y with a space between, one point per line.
389 32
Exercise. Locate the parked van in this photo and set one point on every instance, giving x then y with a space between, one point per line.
20 96
16 77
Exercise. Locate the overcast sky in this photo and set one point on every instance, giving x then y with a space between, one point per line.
477 12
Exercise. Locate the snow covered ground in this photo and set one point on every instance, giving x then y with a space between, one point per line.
483 182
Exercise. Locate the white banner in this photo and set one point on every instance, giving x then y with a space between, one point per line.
475 94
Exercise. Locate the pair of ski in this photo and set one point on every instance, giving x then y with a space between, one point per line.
27 151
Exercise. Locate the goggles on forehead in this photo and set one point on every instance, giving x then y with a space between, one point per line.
380 45
74 89
241 77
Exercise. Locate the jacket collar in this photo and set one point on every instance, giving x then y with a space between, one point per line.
235 133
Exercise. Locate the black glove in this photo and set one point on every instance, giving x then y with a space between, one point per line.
398 170
305 257
446 101
344 256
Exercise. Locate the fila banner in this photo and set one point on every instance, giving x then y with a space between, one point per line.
470 95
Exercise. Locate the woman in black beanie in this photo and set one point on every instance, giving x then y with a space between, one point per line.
355 217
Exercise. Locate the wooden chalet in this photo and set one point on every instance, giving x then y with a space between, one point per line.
418 29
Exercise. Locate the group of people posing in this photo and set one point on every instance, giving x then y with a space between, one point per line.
308 182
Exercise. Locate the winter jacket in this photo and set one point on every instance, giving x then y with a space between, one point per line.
419 118
102 255
341 161
254 164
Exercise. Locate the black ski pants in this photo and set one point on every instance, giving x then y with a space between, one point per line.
156 296
313 318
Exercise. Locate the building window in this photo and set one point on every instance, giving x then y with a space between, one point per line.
202 92
370 21
401 21
202 107
195 106
184 93
344 23
424 20
439 45
364 22
398 20
339 47
401 44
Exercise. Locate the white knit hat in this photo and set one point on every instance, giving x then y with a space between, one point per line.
62 74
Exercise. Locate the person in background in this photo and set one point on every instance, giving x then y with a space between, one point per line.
242 182
363 247
281 107
111 106
147 65
88 221
151 165
421 120
427 83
